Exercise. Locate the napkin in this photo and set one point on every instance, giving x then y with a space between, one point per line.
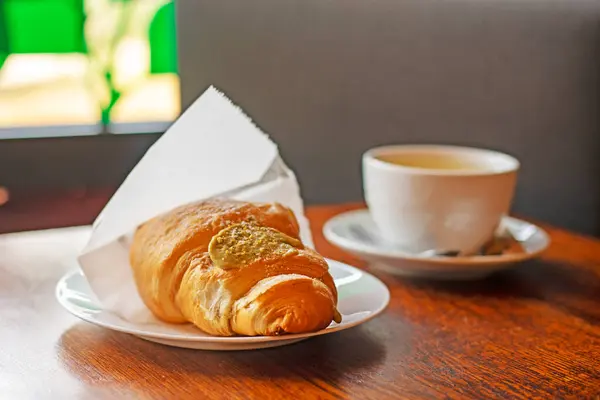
212 150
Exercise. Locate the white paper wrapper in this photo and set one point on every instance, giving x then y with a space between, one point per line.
212 150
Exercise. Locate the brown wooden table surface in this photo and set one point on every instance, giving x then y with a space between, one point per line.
533 332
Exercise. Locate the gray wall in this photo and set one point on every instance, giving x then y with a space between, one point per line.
330 78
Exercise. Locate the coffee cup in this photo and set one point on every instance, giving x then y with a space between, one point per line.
438 197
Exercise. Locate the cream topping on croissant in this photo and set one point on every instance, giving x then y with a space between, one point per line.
243 244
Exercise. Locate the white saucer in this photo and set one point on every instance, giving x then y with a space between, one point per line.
356 233
361 297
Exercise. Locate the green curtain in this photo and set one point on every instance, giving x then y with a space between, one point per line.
42 26
3 37
162 39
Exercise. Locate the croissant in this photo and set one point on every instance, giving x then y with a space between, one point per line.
232 268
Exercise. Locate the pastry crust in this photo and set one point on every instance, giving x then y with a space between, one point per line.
232 268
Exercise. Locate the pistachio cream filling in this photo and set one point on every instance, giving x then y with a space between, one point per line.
244 243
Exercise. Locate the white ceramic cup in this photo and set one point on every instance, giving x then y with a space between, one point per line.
436 197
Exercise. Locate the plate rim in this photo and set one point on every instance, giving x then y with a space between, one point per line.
61 286
358 247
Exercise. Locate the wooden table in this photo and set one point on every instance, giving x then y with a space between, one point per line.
529 333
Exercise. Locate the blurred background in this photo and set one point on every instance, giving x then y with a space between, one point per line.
86 86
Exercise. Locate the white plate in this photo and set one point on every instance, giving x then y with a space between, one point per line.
356 233
361 297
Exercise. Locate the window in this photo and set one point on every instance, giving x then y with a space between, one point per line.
76 67
71 70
